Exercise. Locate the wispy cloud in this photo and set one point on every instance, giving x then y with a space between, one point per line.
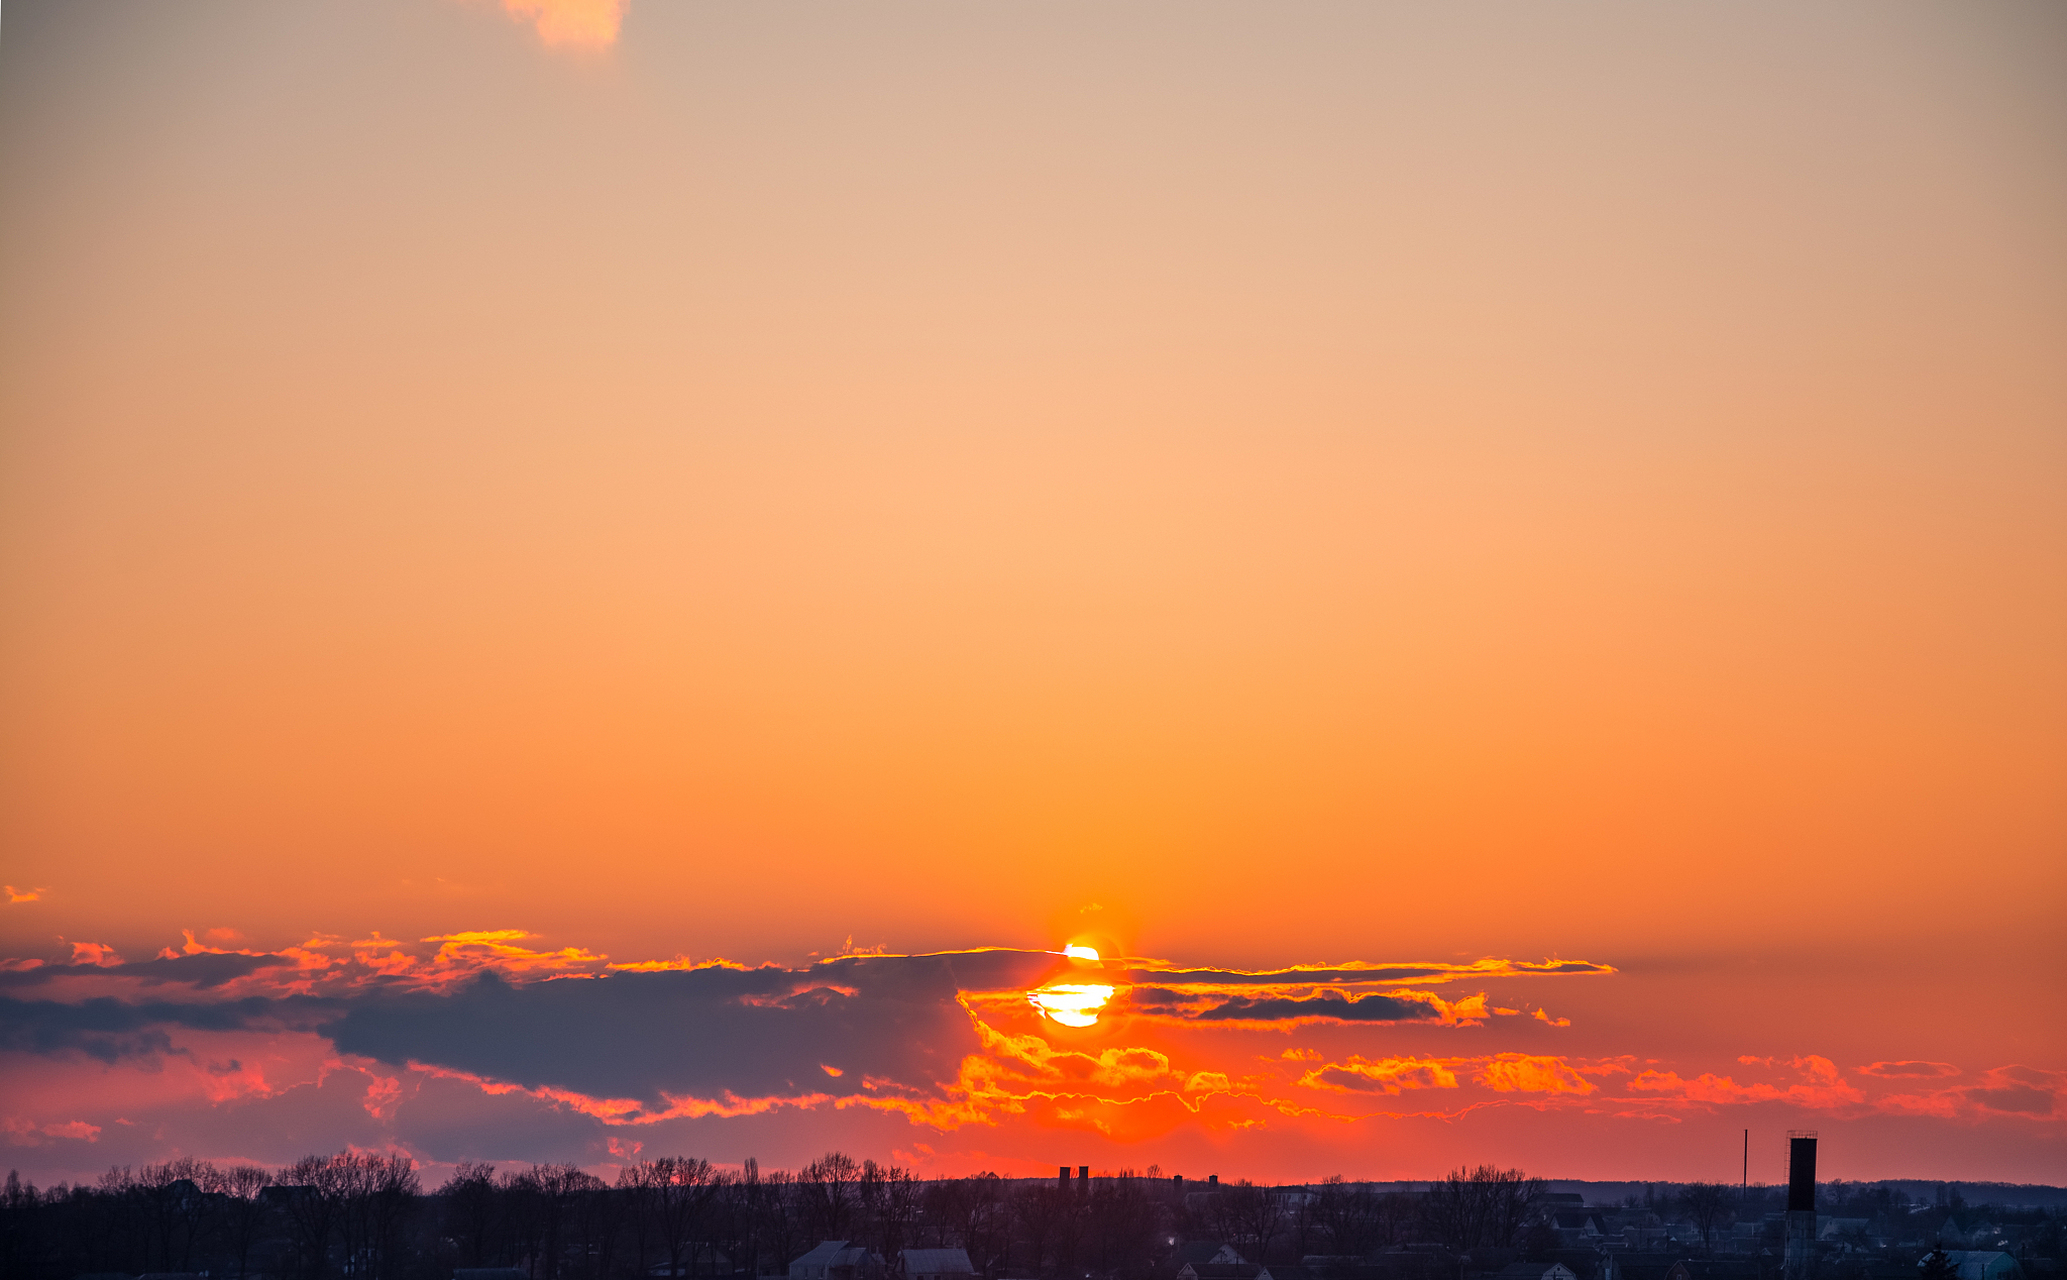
1820 1087
15 895
1909 1070
24 1132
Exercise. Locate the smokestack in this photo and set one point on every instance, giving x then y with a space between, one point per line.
1177 1180
1212 1179
1798 1261
1062 1180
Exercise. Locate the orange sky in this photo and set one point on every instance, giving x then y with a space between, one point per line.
1263 484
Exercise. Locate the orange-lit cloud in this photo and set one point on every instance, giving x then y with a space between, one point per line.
587 24
1163 973
1526 1073
15 895
98 955
1821 1088
1384 1075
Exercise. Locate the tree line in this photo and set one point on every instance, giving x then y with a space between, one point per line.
369 1216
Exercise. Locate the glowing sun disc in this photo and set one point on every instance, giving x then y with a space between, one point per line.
1076 952
1073 1004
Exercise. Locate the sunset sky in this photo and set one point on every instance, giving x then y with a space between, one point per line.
583 579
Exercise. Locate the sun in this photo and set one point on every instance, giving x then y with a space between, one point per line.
1072 1004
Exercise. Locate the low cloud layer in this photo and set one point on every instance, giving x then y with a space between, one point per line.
426 1034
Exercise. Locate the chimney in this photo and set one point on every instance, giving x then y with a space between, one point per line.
1062 1180
1212 1179
1083 1179
1177 1181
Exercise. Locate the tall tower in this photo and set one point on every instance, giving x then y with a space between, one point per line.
1799 1260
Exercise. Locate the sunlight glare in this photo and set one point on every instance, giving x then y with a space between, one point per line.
1073 1004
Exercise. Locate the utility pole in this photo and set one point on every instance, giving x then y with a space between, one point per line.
1744 1188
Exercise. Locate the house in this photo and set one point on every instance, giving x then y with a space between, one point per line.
696 1260
1221 1271
1582 1262
1631 1265
837 1260
935 1264
1535 1271
1200 1252
1978 1264
1575 1227
1711 1269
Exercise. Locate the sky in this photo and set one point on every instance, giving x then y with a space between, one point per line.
588 578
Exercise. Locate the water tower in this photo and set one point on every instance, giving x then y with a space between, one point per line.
1798 1262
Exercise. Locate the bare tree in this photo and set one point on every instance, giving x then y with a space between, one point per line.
1482 1206
179 1211
781 1219
470 1210
1249 1217
635 1186
827 1194
1708 1204
311 1199
682 1188
242 1188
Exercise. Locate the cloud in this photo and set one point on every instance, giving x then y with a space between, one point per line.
1162 973
2019 1090
1909 1070
23 1132
97 954
1526 1073
15 895
1821 1087
944 1040
110 1030
1293 1005
1385 1075
589 24
1325 1005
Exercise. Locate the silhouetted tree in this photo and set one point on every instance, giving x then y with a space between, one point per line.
1481 1206
244 1210
470 1205
680 1190
1709 1205
311 1198
826 1194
